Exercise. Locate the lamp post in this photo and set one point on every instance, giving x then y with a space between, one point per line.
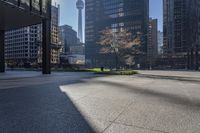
197 58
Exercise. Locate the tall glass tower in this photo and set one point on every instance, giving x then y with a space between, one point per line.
132 15
181 25
80 6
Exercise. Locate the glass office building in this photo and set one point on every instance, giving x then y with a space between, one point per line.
182 31
181 25
132 15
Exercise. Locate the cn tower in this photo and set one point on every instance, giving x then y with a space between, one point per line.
80 6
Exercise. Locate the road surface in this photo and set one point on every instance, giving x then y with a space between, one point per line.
151 102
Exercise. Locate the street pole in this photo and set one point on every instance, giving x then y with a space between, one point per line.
192 58
188 59
2 51
197 57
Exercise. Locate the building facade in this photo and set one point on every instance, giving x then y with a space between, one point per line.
160 42
55 45
73 50
181 30
68 38
78 49
132 15
152 47
168 25
24 46
21 46
181 25
16 14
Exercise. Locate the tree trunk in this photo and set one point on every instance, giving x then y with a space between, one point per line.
116 60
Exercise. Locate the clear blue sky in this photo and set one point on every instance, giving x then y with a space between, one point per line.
68 12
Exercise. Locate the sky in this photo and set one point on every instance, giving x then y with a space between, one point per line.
69 15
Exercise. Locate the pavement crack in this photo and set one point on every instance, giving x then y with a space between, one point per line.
125 108
130 125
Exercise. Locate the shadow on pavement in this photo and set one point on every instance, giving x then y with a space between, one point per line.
40 109
44 108
167 97
178 78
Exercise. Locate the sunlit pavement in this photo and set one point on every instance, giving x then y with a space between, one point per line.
151 102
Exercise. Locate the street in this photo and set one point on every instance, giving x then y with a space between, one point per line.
150 102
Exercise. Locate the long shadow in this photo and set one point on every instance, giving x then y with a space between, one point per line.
40 109
177 78
167 97
46 79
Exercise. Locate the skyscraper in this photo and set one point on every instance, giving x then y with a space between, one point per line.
80 6
181 25
68 37
168 25
132 15
152 47
181 30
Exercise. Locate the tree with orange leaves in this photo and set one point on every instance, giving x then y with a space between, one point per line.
122 44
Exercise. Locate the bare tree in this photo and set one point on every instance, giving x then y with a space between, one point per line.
121 43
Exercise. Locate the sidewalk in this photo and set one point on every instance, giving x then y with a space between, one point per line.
172 75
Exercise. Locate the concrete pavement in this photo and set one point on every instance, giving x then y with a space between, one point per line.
83 102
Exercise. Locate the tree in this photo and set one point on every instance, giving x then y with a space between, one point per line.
122 44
